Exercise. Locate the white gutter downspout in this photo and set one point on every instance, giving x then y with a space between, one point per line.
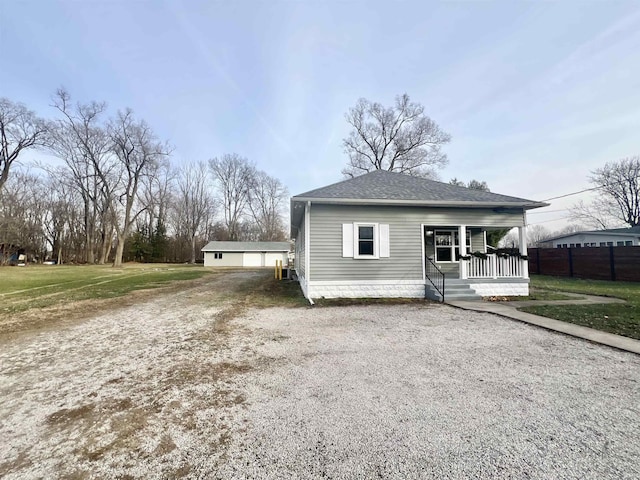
307 244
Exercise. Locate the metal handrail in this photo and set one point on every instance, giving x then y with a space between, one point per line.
434 275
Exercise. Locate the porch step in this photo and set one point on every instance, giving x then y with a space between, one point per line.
454 289
432 294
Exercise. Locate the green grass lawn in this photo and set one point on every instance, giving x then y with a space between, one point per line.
621 319
537 294
37 286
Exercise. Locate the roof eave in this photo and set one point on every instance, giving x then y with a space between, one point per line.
424 203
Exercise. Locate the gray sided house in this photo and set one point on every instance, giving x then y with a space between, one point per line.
387 234
245 254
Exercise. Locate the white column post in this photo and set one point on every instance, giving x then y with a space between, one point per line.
522 237
462 239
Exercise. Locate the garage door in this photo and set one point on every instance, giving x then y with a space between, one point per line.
252 260
270 259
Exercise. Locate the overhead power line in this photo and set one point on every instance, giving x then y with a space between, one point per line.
547 221
547 211
573 193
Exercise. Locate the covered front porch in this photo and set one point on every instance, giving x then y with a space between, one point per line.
460 262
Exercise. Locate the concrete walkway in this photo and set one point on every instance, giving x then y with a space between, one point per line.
509 310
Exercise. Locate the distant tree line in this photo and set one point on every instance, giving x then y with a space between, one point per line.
115 195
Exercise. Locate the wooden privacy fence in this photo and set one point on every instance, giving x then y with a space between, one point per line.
598 263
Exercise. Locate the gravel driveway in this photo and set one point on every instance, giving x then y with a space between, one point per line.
181 387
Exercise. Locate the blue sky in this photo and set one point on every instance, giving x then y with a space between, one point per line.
534 94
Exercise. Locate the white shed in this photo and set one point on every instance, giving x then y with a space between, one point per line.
245 254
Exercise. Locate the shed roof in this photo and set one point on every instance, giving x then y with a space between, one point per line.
611 232
246 247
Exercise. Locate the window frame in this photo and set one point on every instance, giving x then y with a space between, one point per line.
356 241
455 243
217 255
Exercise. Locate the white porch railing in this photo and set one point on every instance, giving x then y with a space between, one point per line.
495 267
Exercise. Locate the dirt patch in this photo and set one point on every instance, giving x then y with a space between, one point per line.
147 387
12 325
70 415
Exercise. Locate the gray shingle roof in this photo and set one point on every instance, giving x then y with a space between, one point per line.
633 230
246 247
381 185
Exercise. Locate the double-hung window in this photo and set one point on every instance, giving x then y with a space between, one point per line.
365 240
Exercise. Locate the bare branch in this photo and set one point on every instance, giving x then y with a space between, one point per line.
20 129
619 195
400 139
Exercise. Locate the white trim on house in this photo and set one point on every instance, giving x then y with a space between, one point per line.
504 289
462 249
384 249
423 258
303 285
351 239
325 283
356 241
426 203
365 289
347 240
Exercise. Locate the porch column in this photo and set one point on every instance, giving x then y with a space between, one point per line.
462 239
522 237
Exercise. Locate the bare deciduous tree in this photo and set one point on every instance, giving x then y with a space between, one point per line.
598 214
537 234
138 155
81 141
20 129
401 139
267 198
618 186
21 214
194 205
570 228
234 176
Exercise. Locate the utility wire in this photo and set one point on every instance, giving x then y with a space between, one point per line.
547 221
573 193
548 211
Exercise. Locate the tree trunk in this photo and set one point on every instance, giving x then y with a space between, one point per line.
122 238
109 245
105 246
193 249
89 248
88 232
117 262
